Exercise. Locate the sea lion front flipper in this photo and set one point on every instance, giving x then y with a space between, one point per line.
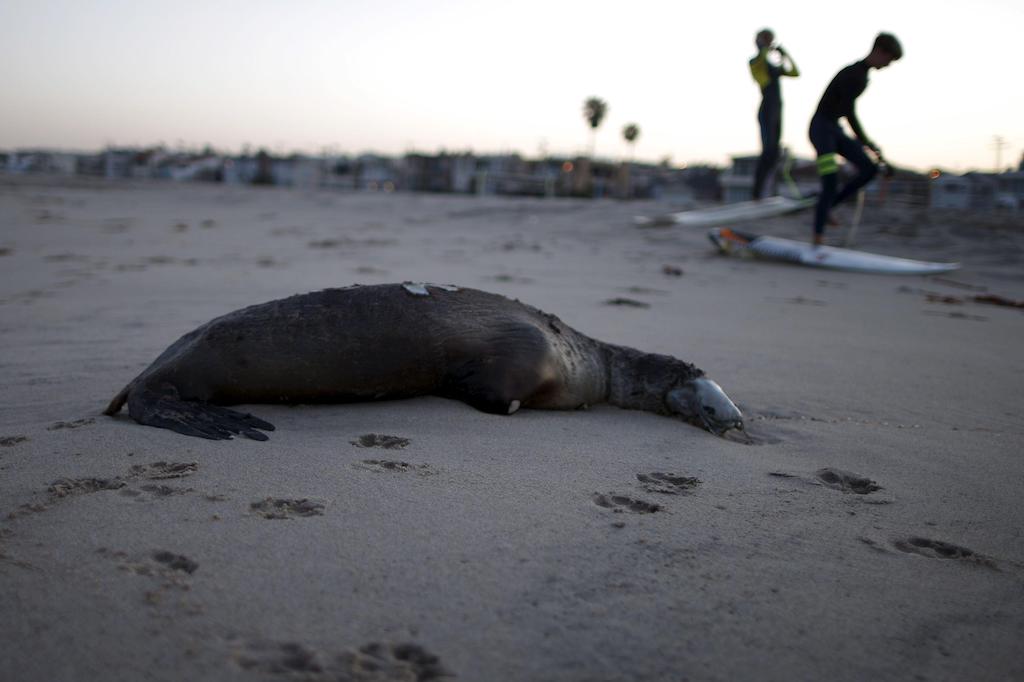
161 407
501 375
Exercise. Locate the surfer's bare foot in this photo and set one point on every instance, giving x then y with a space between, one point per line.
818 240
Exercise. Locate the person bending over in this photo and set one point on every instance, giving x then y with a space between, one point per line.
828 137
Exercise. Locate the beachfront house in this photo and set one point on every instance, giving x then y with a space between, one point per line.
39 161
978 191
511 174
264 169
442 172
1010 191
738 179
298 171
962 192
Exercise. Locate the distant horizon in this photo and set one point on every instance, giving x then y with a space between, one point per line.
417 76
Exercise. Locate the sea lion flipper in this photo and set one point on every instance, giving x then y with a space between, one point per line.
161 407
227 422
246 418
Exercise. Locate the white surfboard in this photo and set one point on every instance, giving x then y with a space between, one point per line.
775 248
729 213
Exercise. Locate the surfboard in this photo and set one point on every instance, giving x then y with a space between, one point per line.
729 213
774 248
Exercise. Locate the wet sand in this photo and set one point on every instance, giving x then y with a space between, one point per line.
869 528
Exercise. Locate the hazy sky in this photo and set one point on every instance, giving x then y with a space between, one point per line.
509 76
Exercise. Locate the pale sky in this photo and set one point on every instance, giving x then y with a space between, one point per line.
305 75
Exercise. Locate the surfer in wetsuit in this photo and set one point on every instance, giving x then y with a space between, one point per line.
829 139
769 115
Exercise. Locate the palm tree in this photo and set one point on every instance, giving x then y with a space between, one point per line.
630 132
594 110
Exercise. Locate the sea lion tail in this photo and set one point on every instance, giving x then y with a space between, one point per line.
118 402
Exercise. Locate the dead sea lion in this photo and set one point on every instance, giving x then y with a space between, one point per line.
401 340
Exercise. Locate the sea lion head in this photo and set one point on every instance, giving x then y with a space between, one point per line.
703 402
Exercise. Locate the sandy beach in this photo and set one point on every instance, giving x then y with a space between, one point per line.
869 527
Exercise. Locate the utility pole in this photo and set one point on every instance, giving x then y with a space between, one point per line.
999 143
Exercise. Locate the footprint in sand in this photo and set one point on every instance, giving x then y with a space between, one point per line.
671 271
11 441
171 572
158 471
348 242
380 440
622 503
164 470
843 481
627 302
276 508
803 300
160 563
511 279
175 562
383 466
957 315
846 481
667 484
281 658
374 662
156 491
646 291
66 487
76 424
936 549
65 258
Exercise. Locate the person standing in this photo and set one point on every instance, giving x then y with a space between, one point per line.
766 74
828 137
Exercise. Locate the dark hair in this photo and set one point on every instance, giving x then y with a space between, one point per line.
888 43
766 32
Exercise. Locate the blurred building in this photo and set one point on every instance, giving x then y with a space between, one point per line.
39 161
961 192
1010 191
978 191
793 177
460 172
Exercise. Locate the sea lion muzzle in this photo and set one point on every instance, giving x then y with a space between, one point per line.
703 401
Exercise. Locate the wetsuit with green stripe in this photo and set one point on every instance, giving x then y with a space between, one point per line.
769 115
830 141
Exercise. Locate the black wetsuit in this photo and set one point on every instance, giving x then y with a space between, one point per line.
829 139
